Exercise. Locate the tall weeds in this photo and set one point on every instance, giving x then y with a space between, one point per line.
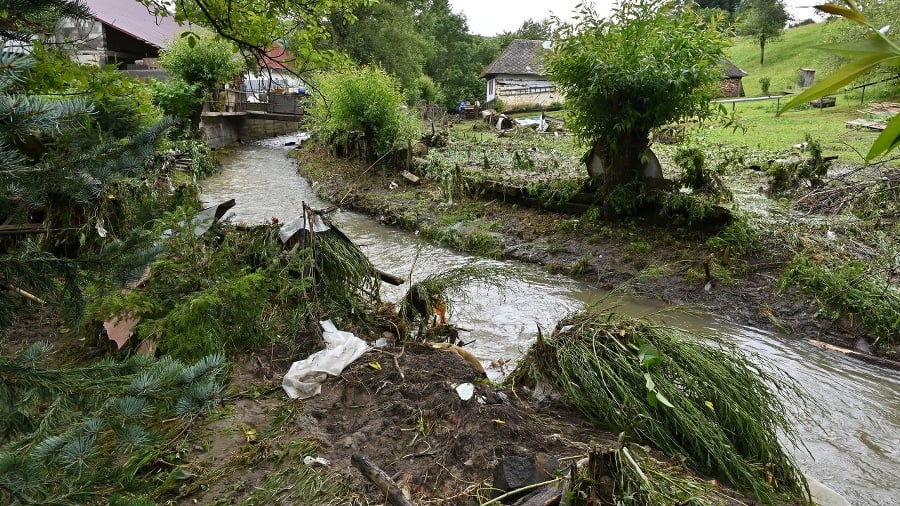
702 399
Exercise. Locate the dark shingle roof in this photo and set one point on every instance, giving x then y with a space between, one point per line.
730 69
133 18
520 57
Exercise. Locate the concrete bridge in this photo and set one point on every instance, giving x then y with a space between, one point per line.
229 118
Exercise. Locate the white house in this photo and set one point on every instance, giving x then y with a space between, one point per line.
516 77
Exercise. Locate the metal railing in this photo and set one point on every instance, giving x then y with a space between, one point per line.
229 100
533 90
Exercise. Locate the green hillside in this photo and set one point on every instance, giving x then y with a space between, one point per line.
785 56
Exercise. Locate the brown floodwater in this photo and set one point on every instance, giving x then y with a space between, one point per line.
852 434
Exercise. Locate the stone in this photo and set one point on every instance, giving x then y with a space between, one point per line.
513 472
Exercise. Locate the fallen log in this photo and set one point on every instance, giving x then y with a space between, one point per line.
872 359
22 229
543 497
381 480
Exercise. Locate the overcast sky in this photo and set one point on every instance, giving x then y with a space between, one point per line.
490 17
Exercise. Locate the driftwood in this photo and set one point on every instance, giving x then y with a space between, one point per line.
872 359
381 480
544 497
22 293
23 229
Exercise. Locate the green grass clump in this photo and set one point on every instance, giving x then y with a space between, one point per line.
232 290
628 474
444 288
851 290
702 399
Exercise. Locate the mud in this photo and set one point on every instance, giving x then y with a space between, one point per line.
405 415
606 255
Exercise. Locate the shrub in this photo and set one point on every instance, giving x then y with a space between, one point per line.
848 289
691 161
764 83
177 98
366 100
203 59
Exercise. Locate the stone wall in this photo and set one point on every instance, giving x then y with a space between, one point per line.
730 87
222 129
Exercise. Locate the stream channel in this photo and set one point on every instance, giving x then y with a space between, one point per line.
852 436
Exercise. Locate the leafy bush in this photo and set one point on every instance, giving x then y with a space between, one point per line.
204 59
691 161
177 98
364 100
424 91
764 84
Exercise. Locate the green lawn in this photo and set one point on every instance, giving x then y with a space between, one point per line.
784 58
766 131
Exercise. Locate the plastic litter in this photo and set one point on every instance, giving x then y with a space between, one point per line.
465 391
309 460
305 377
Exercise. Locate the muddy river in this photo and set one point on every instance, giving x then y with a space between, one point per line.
852 438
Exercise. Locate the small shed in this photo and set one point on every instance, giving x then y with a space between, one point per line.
517 77
730 84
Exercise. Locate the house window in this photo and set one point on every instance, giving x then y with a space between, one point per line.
491 87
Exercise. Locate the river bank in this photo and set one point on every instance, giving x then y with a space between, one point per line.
266 185
674 267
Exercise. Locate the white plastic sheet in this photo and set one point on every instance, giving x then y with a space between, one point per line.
305 377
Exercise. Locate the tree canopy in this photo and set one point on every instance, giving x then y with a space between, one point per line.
205 60
255 25
384 34
764 20
646 65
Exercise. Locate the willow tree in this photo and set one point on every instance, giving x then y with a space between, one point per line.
648 64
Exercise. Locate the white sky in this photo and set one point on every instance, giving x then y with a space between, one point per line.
490 17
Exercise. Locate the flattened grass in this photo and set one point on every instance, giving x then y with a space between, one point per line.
702 399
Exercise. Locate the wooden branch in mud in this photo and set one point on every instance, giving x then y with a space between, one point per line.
22 293
23 229
381 480
865 357
390 278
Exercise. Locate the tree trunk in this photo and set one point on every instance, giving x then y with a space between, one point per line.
369 143
762 49
610 167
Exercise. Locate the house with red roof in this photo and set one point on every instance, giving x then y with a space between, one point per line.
274 75
122 32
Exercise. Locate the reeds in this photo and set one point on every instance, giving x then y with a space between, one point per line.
699 398
444 288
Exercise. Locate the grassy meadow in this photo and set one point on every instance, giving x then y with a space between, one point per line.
784 57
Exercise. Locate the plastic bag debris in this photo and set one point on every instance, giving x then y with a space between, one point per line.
465 391
305 377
